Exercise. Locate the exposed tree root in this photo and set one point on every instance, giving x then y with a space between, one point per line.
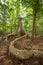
6 37
24 54
17 39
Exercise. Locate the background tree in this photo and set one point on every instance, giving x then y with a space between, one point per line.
35 5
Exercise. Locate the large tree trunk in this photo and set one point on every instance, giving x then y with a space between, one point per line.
20 29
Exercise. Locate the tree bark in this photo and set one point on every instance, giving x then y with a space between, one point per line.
34 19
34 22
25 54
3 27
20 29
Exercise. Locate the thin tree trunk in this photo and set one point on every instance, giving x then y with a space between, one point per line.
11 29
3 27
11 26
34 25
34 19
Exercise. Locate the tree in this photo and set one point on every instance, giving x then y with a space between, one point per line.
20 28
35 8
35 5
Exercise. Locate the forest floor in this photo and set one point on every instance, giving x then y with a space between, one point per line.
23 43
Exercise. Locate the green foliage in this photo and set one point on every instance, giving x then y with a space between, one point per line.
11 9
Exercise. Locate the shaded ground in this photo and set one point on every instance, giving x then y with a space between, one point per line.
24 43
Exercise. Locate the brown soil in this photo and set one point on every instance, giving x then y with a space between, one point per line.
24 43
